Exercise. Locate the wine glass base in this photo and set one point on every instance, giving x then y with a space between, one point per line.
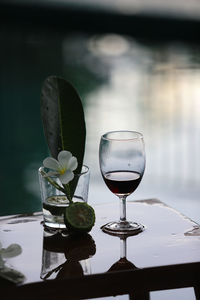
123 228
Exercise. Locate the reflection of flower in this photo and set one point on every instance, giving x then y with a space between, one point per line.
6 272
63 167
11 251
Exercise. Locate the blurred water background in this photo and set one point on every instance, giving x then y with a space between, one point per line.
124 83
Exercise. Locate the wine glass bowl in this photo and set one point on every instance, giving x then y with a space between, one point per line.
122 165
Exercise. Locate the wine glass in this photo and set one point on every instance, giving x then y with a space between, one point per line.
122 164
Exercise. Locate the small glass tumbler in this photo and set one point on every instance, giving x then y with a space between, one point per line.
54 202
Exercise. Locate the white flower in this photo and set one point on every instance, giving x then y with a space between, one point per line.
63 167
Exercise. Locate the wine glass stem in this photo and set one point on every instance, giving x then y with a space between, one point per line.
122 208
122 247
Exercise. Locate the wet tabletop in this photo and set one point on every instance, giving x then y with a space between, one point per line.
169 238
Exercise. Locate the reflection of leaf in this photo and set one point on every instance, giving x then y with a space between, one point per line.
11 251
70 270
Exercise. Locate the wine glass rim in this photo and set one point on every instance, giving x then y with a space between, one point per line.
105 135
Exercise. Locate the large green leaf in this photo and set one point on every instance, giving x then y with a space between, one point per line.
63 119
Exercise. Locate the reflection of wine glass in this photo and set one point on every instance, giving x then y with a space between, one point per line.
123 263
122 164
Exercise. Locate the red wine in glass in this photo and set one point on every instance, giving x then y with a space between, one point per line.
122 182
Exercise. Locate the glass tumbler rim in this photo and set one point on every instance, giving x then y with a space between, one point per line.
137 135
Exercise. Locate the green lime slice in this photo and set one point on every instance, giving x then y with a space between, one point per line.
79 217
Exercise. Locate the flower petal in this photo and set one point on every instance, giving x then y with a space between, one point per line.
52 174
66 177
51 163
63 158
73 163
